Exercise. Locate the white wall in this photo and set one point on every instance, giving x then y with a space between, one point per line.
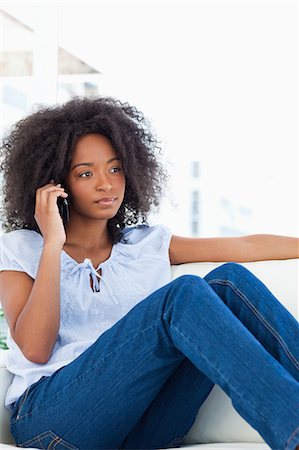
219 81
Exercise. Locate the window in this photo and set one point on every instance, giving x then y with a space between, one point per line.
195 169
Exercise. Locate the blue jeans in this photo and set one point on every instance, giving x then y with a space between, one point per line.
141 383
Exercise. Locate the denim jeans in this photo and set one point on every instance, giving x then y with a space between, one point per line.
141 383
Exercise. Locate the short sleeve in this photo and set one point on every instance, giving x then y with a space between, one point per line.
166 235
149 240
8 261
20 250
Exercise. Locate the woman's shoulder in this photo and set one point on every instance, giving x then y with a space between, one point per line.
145 232
20 250
21 235
21 241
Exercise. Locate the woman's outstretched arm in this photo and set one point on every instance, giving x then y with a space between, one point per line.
255 247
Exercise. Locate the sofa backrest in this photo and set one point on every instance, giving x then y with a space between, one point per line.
5 380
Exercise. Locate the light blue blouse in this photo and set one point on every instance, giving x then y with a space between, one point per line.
138 265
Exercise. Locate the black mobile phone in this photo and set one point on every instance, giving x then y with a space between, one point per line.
63 208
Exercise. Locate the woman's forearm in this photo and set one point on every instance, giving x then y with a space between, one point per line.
271 246
38 324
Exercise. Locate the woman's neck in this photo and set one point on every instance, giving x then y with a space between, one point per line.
90 237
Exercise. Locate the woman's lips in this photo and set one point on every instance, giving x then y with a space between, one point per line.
106 201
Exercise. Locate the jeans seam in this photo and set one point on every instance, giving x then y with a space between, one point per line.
226 381
174 440
57 439
98 363
52 445
177 440
36 438
291 437
22 402
260 317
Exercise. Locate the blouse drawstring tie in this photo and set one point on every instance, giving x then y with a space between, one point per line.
96 277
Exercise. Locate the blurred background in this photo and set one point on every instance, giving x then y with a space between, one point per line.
217 79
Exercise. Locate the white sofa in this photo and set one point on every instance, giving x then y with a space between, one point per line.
217 425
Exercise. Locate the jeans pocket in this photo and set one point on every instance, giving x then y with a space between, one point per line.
20 402
48 441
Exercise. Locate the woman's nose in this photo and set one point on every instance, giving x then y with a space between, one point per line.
104 183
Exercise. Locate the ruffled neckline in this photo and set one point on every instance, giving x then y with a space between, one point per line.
87 260
119 247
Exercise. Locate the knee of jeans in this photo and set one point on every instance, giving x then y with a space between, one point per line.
226 270
184 286
187 280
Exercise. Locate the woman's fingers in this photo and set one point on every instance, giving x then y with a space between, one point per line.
47 213
45 190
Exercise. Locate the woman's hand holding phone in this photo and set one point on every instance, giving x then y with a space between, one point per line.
47 213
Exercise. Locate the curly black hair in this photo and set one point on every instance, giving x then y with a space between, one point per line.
45 141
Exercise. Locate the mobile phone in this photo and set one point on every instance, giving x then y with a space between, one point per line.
63 208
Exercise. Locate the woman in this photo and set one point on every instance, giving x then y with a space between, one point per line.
107 351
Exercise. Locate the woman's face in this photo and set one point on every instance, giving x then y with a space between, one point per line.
96 173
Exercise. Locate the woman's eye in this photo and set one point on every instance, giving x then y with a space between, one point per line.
118 169
115 169
83 173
